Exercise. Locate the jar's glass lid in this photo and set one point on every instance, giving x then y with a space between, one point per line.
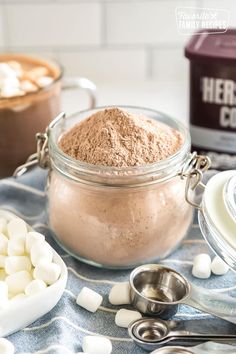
217 217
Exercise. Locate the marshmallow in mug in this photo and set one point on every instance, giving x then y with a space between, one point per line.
15 81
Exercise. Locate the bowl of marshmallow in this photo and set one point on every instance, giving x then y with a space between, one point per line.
32 275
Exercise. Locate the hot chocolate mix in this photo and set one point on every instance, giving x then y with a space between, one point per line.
114 225
113 137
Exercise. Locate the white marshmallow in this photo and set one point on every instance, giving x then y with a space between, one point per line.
15 264
125 317
16 247
3 294
202 266
3 244
2 261
31 238
34 287
17 228
218 266
89 299
16 66
17 282
44 81
6 71
28 86
120 294
9 83
41 251
18 298
96 345
3 226
3 274
47 271
6 347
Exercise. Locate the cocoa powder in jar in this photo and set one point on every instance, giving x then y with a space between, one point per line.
119 227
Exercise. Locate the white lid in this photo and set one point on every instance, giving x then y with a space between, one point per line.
217 218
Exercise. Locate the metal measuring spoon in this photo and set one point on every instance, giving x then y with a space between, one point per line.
206 348
158 291
151 333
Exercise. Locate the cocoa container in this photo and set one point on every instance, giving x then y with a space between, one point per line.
212 59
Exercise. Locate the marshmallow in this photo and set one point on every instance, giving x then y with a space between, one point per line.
3 226
6 71
34 287
17 228
3 244
96 345
3 294
28 86
44 81
36 73
17 282
6 347
125 317
15 264
120 294
41 251
202 266
31 238
89 299
3 274
47 271
16 66
9 92
18 298
16 247
9 83
218 266
2 261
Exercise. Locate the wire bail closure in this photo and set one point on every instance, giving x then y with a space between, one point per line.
193 171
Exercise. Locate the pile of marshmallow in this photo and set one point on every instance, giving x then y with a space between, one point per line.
26 262
91 301
203 266
15 81
26 266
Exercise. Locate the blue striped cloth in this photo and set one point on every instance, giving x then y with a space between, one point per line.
61 331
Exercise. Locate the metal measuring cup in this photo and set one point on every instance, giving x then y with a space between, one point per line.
157 290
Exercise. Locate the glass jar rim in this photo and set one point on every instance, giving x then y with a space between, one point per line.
172 163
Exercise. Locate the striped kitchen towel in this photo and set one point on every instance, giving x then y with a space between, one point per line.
61 331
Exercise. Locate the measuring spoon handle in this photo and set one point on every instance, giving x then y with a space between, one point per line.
219 305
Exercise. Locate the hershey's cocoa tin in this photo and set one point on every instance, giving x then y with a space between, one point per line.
213 96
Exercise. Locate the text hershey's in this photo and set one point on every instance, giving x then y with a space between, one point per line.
222 92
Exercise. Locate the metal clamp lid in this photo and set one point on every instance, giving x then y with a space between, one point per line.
193 170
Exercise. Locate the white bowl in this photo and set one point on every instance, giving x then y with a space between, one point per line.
20 314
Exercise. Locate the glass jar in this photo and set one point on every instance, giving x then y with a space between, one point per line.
118 217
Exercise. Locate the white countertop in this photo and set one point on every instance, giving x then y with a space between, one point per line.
169 97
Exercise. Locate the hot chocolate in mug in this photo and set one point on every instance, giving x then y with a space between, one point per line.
30 97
